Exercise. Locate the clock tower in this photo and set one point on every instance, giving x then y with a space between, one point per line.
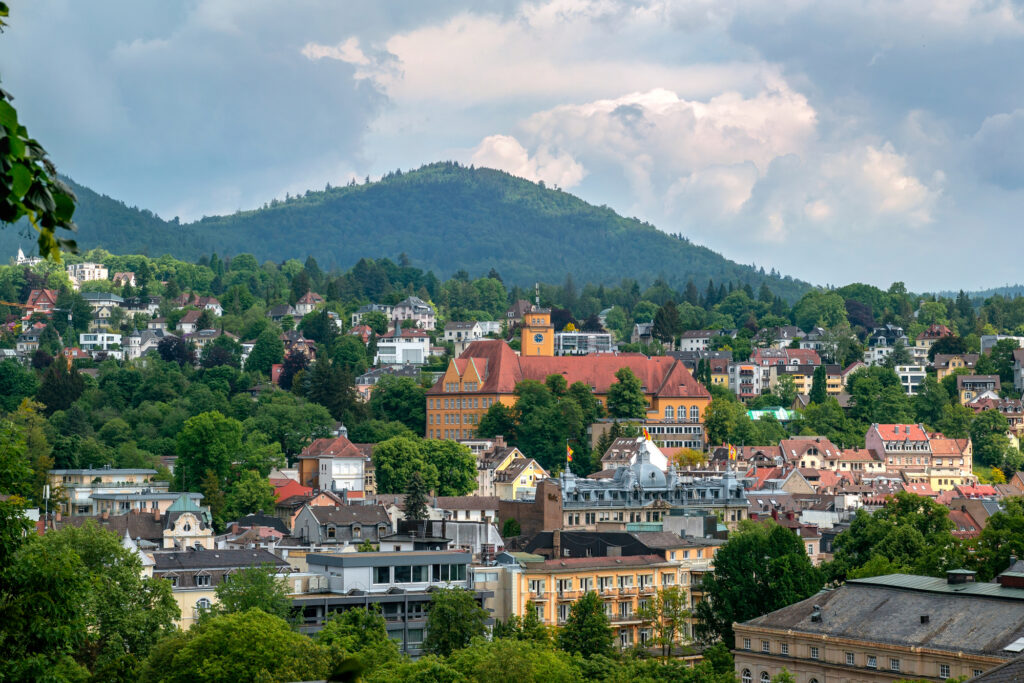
538 335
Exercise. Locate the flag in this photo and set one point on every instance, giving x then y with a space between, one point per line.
568 453
647 434
732 452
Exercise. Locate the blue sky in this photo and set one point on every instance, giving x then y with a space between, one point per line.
860 141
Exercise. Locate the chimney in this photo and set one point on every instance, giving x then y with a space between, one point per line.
156 514
105 515
556 543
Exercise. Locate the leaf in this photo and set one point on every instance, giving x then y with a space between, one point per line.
65 206
21 177
8 115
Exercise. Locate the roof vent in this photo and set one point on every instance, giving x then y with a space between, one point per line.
816 614
925 618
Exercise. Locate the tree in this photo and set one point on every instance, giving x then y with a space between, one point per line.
32 188
499 420
221 648
254 588
626 397
415 506
176 350
358 633
79 591
376 321
913 534
396 460
268 350
511 528
224 350
208 442
930 401
1002 537
819 308
330 385
947 345
505 659
763 567
401 399
351 354
988 434
898 356
16 474
294 363
667 323
250 493
721 418
667 613
587 631
453 619
61 386
818 391
455 464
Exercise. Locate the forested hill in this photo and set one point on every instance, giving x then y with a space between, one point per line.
444 217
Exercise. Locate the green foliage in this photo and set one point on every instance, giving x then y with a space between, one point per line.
221 648
499 420
626 397
60 387
819 308
587 631
667 612
988 434
251 492
208 442
254 588
400 399
763 567
510 660
395 461
453 620
511 528
911 534
818 386
268 350
415 504
359 634
1002 537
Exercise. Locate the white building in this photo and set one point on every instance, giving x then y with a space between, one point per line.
85 272
23 260
403 347
695 340
417 310
385 310
911 377
99 341
140 343
989 340
583 343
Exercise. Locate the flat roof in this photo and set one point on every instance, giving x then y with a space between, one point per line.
101 470
389 558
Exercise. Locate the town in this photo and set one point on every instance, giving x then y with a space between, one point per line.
315 471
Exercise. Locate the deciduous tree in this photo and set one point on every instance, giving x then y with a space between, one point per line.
587 631
453 619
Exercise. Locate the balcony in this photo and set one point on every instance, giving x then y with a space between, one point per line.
627 590
609 590
569 595
648 589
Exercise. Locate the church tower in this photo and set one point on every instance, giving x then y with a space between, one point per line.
538 334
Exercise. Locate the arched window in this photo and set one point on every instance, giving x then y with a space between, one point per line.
668 412
203 603
746 677
765 678
694 413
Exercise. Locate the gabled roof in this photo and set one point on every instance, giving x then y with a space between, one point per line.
210 559
289 489
336 447
190 318
902 432
343 515
310 298
942 360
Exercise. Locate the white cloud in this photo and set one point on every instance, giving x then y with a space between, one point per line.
347 51
505 153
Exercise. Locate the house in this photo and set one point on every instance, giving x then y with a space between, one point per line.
149 305
747 380
364 332
124 278
886 628
307 302
643 333
85 272
288 508
41 301
338 465
28 342
909 449
140 343
970 387
415 309
280 312
882 342
911 378
1018 370
100 300
403 346
814 452
516 312
209 303
357 317
467 508
22 260
583 343
294 342
203 338
457 331
400 584
990 340
923 342
81 485
189 322
99 341
73 353
368 380
195 575
781 337
341 524
695 340
504 471
489 370
945 364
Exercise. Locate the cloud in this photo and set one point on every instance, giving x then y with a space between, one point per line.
346 51
504 152
996 150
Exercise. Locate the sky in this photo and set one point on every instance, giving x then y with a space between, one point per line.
863 141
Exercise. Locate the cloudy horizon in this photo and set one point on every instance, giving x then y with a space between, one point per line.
869 141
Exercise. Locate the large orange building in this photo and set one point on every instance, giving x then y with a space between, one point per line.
488 371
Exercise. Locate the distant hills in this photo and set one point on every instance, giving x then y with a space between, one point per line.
444 217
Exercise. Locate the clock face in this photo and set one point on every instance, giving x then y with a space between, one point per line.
538 338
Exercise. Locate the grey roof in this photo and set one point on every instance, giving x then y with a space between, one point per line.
1011 672
888 609
390 559
214 559
351 514
466 502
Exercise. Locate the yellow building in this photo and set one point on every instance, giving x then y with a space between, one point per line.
945 364
519 475
538 334
624 584
488 371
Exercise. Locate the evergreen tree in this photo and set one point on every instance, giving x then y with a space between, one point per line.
818 389
60 387
453 620
268 350
587 631
415 506
626 397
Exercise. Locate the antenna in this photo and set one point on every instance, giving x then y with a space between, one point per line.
536 294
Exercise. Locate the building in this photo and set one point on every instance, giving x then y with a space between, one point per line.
195 575
141 343
307 302
888 628
1018 370
42 301
281 311
338 465
81 485
641 492
746 380
911 378
84 272
537 334
516 312
22 260
624 584
368 380
403 346
923 342
415 309
180 522
189 323
971 387
489 370
990 340
99 341
503 471
124 278
583 343
882 342
695 340
341 525
945 364
908 449
357 317
400 583
643 333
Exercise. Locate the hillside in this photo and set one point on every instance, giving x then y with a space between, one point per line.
444 217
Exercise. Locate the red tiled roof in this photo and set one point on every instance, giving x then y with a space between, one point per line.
42 296
890 432
964 525
595 562
502 369
857 454
289 489
976 490
798 446
920 489
338 447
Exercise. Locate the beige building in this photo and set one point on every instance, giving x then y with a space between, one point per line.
888 628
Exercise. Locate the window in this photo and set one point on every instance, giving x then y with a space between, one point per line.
563 612
943 670
203 603
784 648
668 412
202 579
814 652
977 672
765 678
766 646
694 413
746 677
850 659
536 586
746 643
403 574
331 532
894 664
872 662
421 573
